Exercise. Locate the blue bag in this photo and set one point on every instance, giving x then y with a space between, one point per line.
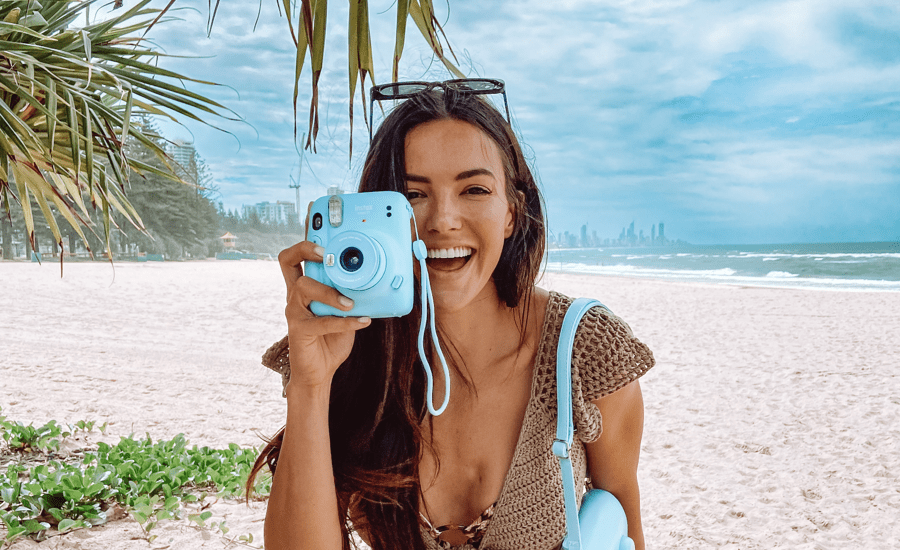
601 524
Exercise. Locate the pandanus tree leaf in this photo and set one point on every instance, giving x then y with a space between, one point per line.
308 35
67 97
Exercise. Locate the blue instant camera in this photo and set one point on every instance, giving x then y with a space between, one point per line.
368 257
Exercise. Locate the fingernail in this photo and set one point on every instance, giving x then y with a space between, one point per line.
364 320
347 302
319 251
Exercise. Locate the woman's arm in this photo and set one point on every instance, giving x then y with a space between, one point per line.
302 511
613 458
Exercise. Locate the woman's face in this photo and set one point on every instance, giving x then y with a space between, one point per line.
457 188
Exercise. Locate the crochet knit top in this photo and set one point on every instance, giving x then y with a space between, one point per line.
530 512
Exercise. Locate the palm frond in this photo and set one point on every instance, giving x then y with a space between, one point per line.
67 97
309 37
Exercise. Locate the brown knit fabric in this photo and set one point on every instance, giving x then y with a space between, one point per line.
277 358
530 513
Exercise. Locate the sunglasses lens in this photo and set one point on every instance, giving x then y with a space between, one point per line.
474 85
401 89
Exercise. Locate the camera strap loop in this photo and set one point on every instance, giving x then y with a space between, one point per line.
421 254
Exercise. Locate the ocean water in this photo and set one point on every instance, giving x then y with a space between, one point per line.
823 266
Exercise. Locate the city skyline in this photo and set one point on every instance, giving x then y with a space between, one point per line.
627 237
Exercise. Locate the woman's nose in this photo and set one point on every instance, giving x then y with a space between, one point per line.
443 215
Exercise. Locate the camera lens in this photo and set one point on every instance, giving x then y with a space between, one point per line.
359 261
351 259
317 221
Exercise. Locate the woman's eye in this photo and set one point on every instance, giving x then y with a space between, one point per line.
478 191
410 195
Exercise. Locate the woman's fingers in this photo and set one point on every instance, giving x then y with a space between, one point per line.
314 327
291 260
306 290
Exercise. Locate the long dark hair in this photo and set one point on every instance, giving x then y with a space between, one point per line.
377 402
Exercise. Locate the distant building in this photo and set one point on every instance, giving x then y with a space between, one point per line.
228 240
284 212
662 233
185 156
653 234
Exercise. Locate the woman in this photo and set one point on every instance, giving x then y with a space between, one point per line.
359 451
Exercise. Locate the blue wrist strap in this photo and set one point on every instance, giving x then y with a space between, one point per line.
421 253
565 430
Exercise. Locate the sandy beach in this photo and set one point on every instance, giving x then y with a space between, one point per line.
772 416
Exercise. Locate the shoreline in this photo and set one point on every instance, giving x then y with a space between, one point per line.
770 417
822 284
789 281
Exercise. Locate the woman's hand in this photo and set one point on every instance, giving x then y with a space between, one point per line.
318 345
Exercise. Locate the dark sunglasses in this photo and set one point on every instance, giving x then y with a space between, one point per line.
404 90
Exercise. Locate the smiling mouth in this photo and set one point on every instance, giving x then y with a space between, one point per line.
449 259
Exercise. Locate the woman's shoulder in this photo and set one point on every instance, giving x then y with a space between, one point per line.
606 355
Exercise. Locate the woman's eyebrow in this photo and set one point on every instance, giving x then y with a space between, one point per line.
474 172
415 178
459 177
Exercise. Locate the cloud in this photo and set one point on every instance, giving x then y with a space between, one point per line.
725 119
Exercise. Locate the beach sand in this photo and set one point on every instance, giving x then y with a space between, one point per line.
772 416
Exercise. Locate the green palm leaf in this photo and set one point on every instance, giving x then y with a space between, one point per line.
309 36
67 97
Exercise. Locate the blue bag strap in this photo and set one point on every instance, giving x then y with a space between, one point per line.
565 429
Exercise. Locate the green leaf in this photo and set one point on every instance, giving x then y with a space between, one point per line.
67 524
93 489
399 41
10 494
34 526
15 532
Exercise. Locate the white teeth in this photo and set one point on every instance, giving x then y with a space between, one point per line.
458 252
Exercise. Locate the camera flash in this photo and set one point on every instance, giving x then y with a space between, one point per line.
335 210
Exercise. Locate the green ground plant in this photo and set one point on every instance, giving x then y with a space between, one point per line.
153 481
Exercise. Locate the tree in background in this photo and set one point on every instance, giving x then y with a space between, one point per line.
68 94
67 98
181 219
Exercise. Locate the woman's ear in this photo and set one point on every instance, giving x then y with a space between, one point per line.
515 207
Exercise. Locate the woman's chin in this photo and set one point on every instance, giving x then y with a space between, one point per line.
449 298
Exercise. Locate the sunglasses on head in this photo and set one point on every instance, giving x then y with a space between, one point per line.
404 90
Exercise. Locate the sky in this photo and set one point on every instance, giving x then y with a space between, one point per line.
770 121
